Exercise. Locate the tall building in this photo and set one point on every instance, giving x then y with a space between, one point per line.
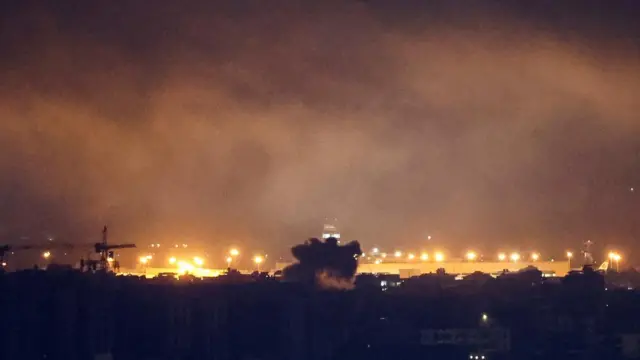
330 230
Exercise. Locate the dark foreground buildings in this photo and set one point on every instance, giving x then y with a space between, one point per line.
68 315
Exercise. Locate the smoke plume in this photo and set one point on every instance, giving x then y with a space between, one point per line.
247 122
327 265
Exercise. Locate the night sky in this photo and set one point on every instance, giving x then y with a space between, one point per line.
481 123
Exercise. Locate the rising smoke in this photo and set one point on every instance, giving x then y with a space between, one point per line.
326 265
249 122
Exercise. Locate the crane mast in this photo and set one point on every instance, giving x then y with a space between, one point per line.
102 248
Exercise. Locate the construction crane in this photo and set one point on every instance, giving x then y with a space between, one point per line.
104 249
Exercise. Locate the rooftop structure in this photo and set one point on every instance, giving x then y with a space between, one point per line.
330 230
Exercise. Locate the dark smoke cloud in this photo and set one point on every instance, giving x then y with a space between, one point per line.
326 265
250 122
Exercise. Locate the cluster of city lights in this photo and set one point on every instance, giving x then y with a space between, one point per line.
198 262
398 255
235 253
438 256
615 257
183 266
145 259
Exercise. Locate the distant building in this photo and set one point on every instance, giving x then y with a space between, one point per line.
330 231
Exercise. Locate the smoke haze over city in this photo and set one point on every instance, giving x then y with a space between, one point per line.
250 122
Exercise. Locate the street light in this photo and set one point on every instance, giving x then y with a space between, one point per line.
143 260
46 254
514 257
471 255
411 256
424 256
258 260
614 256
375 250
484 318
569 256
234 252
229 259
397 254
502 256
439 257
172 260
184 267
198 261
535 256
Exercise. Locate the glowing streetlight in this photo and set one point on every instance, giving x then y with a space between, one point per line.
397 254
411 256
198 261
172 260
234 252
502 256
484 317
143 260
378 262
439 257
471 255
514 257
569 256
383 255
46 254
184 267
229 260
615 257
535 256
424 256
258 260
375 250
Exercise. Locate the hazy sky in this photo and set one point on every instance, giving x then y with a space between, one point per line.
249 122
